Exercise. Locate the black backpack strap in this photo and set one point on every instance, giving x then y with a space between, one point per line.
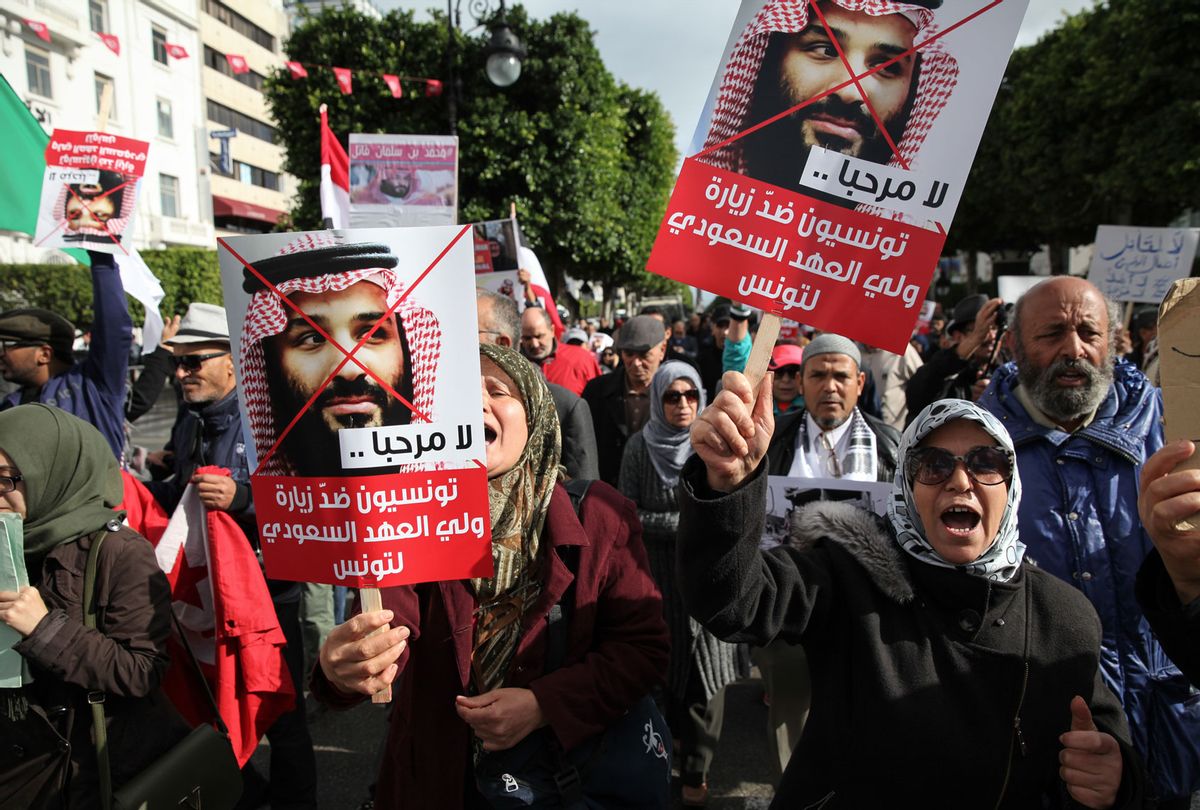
558 618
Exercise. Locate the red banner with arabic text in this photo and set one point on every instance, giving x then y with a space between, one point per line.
97 150
815 262
375 531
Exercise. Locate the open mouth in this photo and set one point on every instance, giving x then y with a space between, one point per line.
1072 379
489 435
960 521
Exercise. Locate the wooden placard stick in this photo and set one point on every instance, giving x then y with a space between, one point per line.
760 352
372 600
1179 370
1128 319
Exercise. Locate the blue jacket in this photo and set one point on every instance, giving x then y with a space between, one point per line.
1079 520
94 390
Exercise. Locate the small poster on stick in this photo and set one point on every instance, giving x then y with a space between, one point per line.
831 156
1179 370
403 180
358 374
89 191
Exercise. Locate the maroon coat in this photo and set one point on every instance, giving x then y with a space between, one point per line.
617 651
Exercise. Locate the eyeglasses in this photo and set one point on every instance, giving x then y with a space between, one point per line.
787 371
673 397
6 345
192 362
934 465
9 482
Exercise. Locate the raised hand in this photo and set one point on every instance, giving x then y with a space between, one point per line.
1090 760
732 434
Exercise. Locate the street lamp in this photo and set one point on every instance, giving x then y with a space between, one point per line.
504 51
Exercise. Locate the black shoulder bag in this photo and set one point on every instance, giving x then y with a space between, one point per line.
628 765
201 771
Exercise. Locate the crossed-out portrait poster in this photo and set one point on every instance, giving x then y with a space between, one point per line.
358 373
496 245
89 190
831 155
403 180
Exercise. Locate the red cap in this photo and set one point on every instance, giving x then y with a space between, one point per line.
786 354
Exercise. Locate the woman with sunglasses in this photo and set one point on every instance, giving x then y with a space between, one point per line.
58 474
700 664
946 671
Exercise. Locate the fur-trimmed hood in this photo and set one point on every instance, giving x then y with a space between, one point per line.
862 534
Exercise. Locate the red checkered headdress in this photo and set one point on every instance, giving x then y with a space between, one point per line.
127 194
267 316
938 75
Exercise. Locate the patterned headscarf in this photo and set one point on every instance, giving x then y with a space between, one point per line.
519 500
668 445
267 316
1003 558
938 75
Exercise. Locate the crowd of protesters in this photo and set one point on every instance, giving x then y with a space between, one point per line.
1019 628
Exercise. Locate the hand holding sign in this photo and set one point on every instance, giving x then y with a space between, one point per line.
1166 500
358 660
1090 760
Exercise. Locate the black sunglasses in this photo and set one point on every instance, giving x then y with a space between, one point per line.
787 371
9 482
934 465
5 345
192 362
673 397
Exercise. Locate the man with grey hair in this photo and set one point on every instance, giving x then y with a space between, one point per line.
500 323
1083 424
567 365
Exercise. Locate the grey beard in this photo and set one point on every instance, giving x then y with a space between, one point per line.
1065 404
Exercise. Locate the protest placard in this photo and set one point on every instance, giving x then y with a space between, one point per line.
89 191
403 180
13 577
367 438
1179 371
831 156
1137 265
506 284
497 243
785 495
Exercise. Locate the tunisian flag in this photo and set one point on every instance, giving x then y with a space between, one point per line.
335 177
221 598
528 260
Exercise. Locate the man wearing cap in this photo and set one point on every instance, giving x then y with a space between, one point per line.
785 389
499 323
348 290
35 353
565 363
956 372
788 55
620 402
208 432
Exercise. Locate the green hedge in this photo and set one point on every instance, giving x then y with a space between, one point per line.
186 274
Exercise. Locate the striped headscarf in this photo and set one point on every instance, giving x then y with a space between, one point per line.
267 316
1002 560
519 499
938 75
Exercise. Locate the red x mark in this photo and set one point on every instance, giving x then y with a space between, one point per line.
349 355
116 240
855 79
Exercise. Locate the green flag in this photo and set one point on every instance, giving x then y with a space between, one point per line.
22 165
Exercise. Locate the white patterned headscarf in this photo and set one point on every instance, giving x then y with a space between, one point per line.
1002 559
938 76
267 316
114 228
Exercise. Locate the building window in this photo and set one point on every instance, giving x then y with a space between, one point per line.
37 67
217 61
103 81
168 192
224 14
98 15
232 119
158 38
166 122
244 172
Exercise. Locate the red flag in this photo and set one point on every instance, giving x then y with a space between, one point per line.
38 28
433 87
175 51
393 83
112 42
297 69
343 79
237 63
335 177
234 634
